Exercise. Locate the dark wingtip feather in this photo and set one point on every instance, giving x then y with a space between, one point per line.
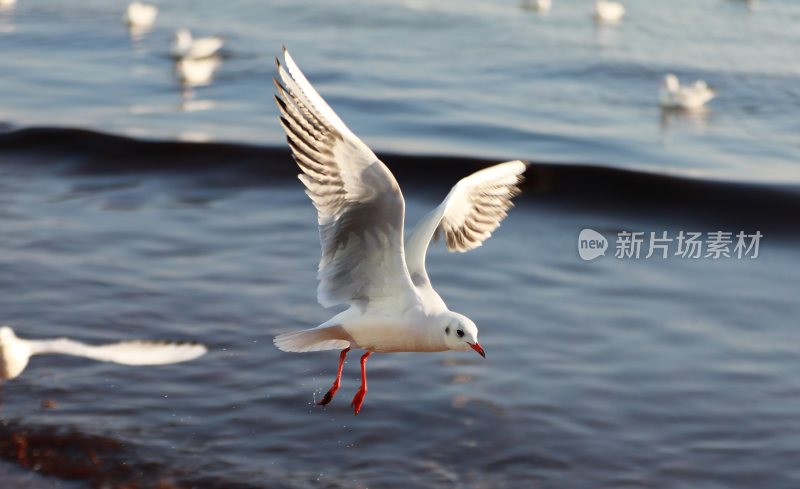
281 104
279 86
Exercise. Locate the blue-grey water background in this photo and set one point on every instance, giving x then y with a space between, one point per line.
448 76
615 373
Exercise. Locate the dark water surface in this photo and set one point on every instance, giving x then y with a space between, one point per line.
613 373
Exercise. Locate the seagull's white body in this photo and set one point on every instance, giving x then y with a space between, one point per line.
140 14
366 263
15 351
184 46
672 95
541 6
196 72
608 11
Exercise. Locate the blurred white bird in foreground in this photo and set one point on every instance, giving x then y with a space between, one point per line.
7 3
185 46
365 262
672 95
15 351
607 11
541 6
140 14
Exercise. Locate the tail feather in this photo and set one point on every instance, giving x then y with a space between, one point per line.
316 339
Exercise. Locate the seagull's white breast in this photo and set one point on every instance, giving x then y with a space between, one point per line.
408 332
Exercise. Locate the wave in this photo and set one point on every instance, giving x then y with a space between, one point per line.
684 199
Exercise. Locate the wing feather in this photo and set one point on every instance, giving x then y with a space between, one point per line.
466 218
135 352
360 208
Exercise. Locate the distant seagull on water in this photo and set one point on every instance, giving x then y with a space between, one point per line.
15 351
196 72
140 14
541 6
184 46
672 95
608 11
365 262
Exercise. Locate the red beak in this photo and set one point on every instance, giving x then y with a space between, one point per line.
478 348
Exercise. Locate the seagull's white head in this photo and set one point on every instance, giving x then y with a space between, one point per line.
460 333
14 354
183 37
671 83
6 333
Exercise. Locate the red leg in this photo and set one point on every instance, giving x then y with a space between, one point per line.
335 387
358 400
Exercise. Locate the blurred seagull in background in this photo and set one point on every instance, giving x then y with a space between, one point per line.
15 351
672 95
140 14
185 46
365 262
196 72
607 11
541 6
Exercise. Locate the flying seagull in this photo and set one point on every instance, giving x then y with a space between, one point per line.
15 351
365 262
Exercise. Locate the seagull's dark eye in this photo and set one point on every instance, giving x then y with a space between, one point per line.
460 333
447 330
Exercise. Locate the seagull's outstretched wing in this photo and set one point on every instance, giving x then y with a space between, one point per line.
137 352
468 215
359 205
15 351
